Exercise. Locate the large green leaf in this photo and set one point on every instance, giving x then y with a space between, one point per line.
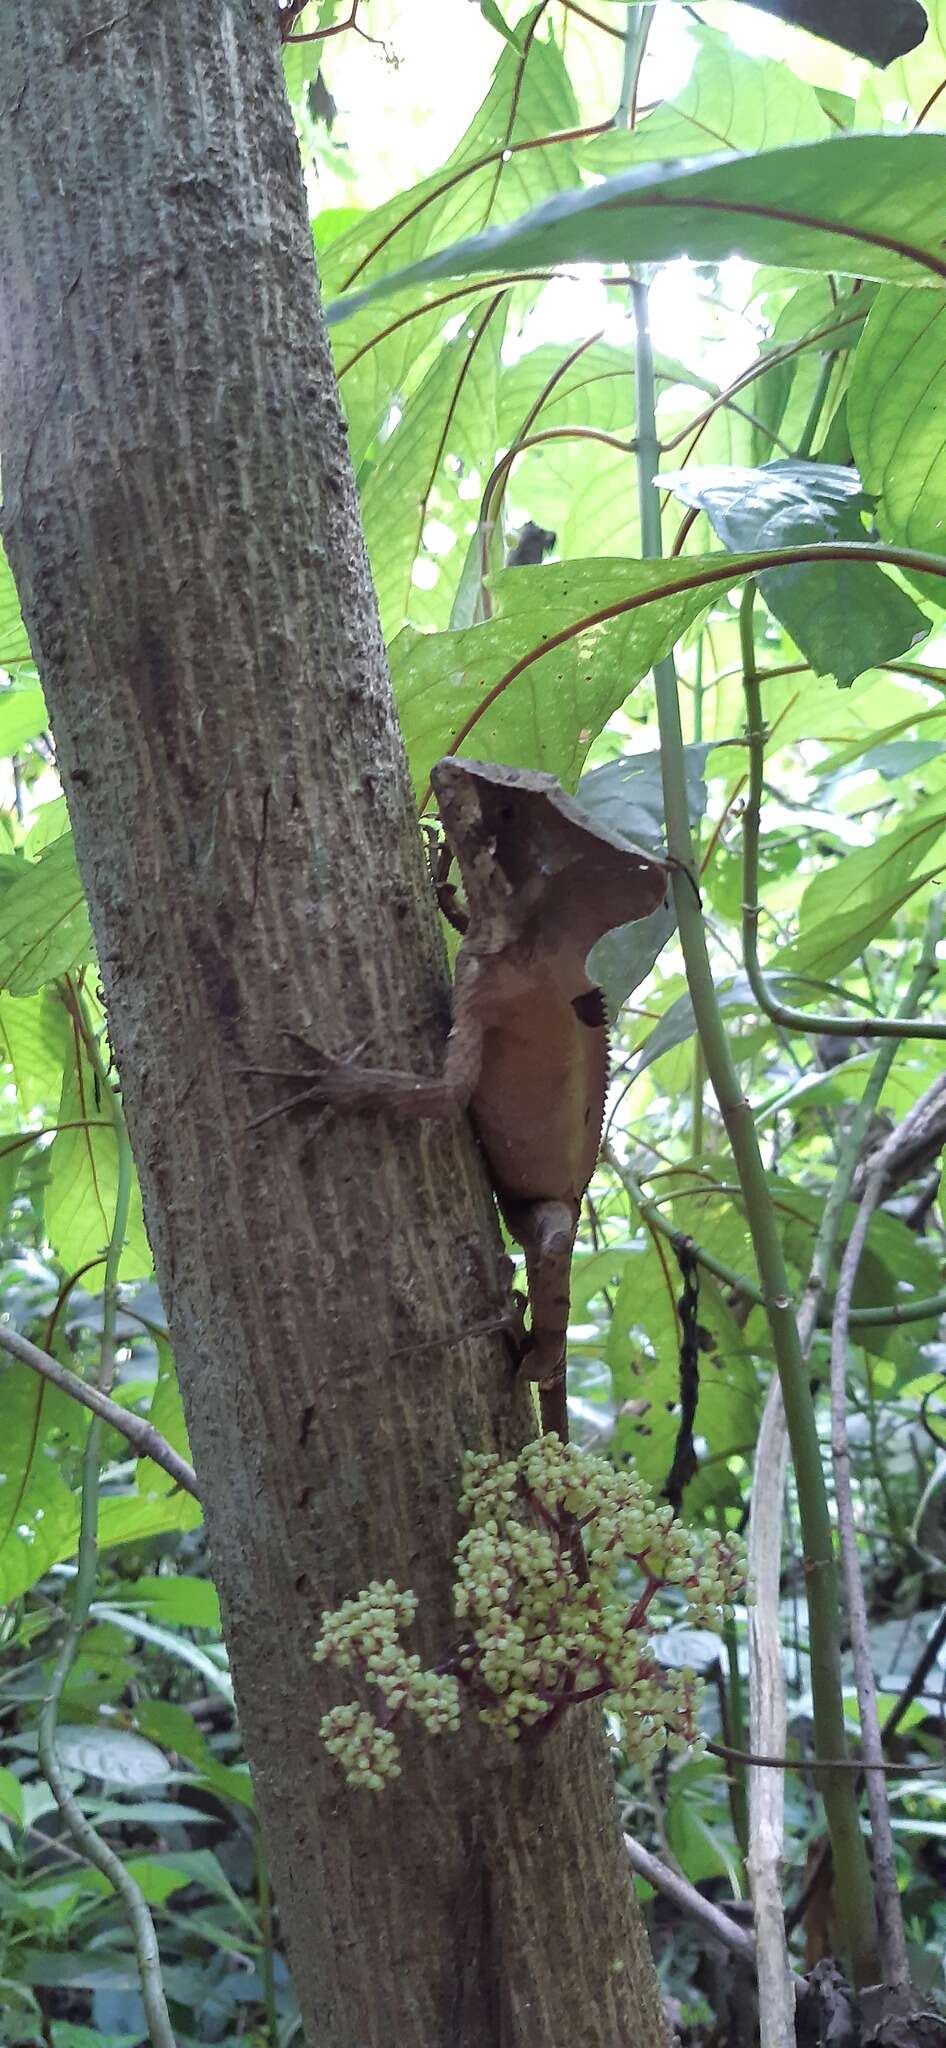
38 1512
678 1022
494 173
83 1180
14 640
911 87
33 1039
44 924
626 796
850 903
166 1415
845 617
557 385
536 685
866 205
184 1601
730 101
23 716
449 423
896 410
131 1518
643 1352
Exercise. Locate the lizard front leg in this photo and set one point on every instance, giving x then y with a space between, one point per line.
342 1084
546 1232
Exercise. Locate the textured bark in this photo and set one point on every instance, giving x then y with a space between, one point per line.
180 514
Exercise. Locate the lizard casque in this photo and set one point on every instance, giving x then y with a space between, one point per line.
528 1047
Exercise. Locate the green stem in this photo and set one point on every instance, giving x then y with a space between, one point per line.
93 1848
887 1316
854 1890
898 1027
814 411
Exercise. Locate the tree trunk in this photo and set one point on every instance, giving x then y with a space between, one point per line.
181 518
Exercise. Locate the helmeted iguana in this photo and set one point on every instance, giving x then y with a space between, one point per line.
528 1047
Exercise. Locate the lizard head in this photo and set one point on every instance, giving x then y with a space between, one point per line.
527 852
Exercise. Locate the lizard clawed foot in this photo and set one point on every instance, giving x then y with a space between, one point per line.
324 1078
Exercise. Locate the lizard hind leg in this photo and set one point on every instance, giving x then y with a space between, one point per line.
546 1231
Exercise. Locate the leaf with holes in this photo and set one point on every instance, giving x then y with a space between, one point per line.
534 686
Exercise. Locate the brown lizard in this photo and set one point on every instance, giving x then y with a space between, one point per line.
528 1047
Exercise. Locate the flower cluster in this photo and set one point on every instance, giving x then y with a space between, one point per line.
554 1583
365 1632
542 1594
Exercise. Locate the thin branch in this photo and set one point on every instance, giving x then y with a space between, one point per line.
896 1968
689 1900
94 1849
145 1440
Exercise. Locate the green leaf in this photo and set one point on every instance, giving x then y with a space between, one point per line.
845 617
301 61
11 1796
179 1648
849 903
627 796
864 205
174 1728
552 386
678 1023
490 12
131 1518
113 1754
156 1877
44 924
23 716
445 424
64 2035
698 1833
901 91
83 1179
184 1601
14 640
33 1041
490 175
38 1512
730 101
534 686
895 408
643 1352
167 1415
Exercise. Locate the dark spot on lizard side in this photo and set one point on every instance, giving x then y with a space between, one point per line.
590 1009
